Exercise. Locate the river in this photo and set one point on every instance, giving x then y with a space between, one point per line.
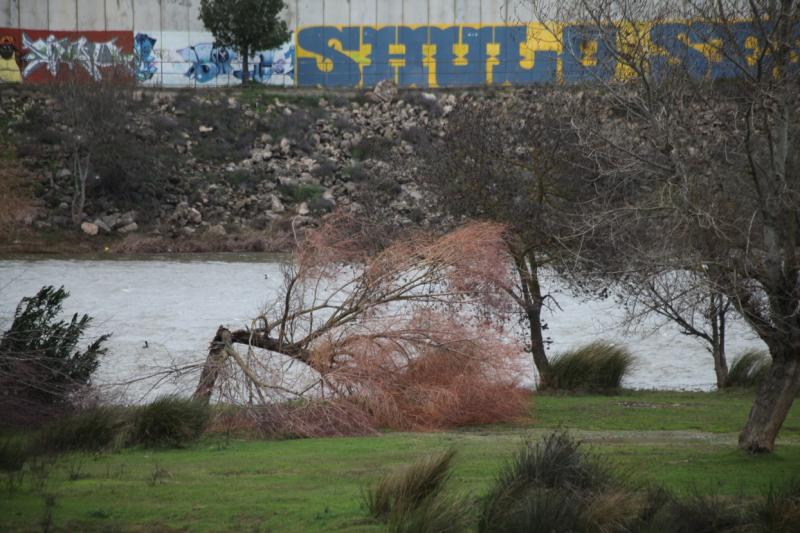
163 310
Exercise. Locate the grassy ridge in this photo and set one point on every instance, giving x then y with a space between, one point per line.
316 484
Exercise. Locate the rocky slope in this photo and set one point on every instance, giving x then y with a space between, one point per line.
213 165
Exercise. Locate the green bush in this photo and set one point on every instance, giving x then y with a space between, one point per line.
303 192
596 367
91 430
40 364
15 450
413 498
749 369
542 483
170 421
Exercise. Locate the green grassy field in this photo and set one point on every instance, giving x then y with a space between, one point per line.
683 441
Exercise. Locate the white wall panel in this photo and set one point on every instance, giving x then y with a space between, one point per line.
62 15
175 15
146 15
337 12
414 12
92 15
441 12
34 14
310 13
389 12
119 14
468 11
494 12
363 12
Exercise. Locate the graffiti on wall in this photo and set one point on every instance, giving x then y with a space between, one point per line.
421 56
272 66
9 68
144 58
440 56
39 56
53 52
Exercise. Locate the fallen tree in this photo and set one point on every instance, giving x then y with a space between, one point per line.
412 334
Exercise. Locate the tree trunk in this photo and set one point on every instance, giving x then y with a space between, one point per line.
245 65
216 356
771 406
528 272
720 365
717 312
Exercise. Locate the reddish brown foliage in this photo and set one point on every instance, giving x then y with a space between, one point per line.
411 335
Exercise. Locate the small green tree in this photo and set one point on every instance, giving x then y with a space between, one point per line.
245 25
40 366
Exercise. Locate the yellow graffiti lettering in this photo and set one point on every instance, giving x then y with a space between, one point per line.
324 64
361 56
9 71
711 50
589 53
429 62
492 51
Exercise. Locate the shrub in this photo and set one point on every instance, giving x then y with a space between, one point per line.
170 421
749 369
598 366
40 367
413 499
301 192
779 510
93 429
372 148
14 452
543 477
405 489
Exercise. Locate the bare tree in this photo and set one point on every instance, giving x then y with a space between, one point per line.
102 151
694 129
681 298
505 161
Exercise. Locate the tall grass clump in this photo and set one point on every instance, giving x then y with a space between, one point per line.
596 367
170 421
553 485
93 429
749 369
779 510
413 498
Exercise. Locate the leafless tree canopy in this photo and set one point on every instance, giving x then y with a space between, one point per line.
698 161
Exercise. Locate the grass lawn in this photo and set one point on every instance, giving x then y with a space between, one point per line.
684 441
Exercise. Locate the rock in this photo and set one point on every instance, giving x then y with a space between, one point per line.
384 91
89 228
128 228
110 221
187 231
276 204
205 129
102 225
217 230
63 173
127 219
285 145
195 217
303 209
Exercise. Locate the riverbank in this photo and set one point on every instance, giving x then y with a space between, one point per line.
685 442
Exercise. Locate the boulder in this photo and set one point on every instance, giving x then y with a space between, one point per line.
128 228
89 228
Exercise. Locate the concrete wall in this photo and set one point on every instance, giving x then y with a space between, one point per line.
423 43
